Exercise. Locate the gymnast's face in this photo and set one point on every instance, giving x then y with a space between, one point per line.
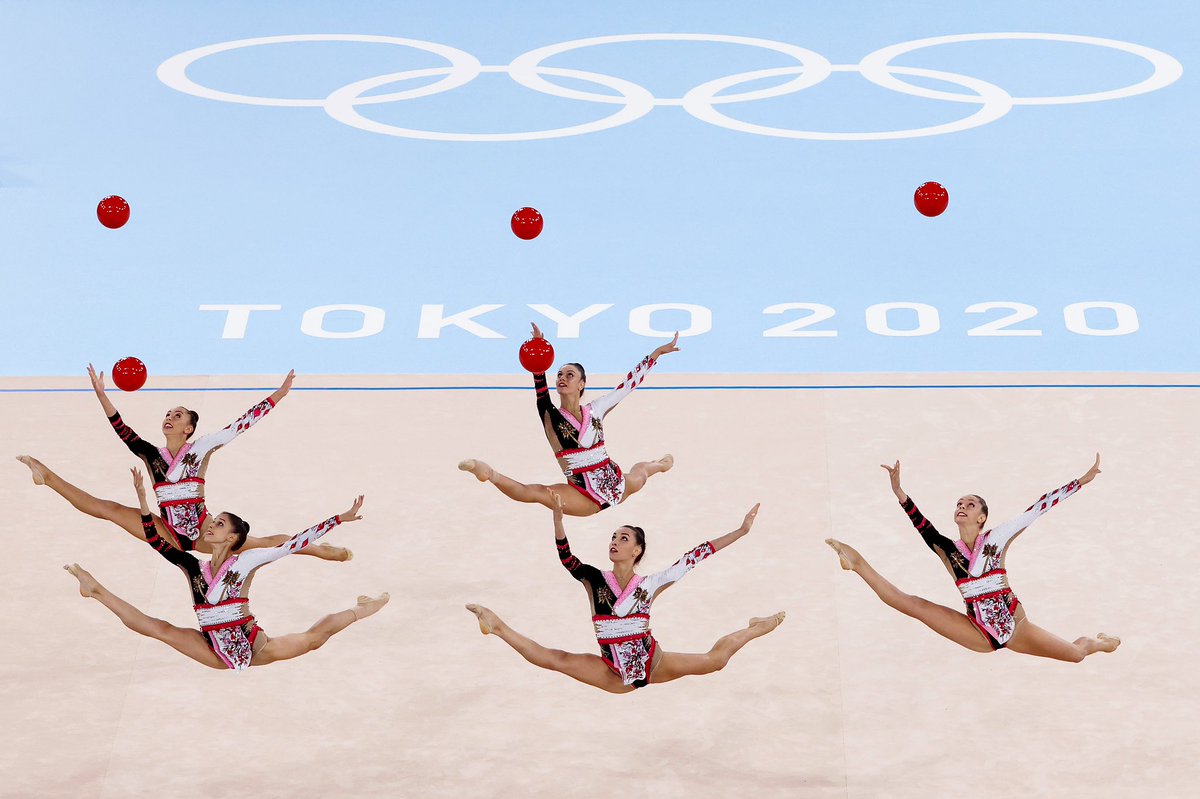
969 510
218 529
569 382
177 420
623 546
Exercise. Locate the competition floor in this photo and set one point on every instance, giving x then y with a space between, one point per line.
846 699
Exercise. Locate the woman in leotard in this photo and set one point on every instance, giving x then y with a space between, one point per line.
994 619
177 471
229 637
576 435
620 601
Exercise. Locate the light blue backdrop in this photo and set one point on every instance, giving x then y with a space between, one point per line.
243 204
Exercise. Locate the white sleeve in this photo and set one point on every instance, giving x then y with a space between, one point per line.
1000 536
213 441
675 572
632 380
251 559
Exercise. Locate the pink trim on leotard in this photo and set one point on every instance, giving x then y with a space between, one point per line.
611 579
166 455
206 570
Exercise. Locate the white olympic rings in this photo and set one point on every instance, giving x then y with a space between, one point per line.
701 102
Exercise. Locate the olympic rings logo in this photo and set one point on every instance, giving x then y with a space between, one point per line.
701 102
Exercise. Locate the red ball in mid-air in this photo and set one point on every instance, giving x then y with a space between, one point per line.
537 355
527 223
129 374
931 198
113 212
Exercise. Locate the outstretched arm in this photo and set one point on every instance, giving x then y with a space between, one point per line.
253 558
110 410
1005 533
600 407
720 543
938 543
283 389
136 444
163 547
589 575
541 390
214 441
894 474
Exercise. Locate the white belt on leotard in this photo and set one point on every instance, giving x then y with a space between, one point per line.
578 460
615 629
183 491
223 614
991 583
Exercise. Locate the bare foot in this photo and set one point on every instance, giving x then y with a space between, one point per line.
481 470
87 583
667 462
1111 642
349 554
847 555
488 621
367 606
768 623
35 466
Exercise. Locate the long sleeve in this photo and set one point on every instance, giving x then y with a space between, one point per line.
137 445
577 568
632 380
542 390
675 572
212 441
1001 535
163 547
251 559
933 539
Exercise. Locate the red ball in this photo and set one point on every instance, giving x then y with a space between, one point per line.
537 355
931 198
527 223
129 374
113 211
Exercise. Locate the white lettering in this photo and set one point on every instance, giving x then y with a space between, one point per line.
313 323
639 320
238 316
433 320
568 326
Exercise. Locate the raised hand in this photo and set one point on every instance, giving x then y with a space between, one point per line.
97 380
139 482
665 348
352 514
284 387
1091 473
139 485
558 507
537 331
894 473
748 522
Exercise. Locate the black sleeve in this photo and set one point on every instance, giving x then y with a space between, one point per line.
163 547
137 445
579 570
544 405
933 539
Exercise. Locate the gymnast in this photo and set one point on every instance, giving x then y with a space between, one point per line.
178 472
994 618
229 637
576 435
620 600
